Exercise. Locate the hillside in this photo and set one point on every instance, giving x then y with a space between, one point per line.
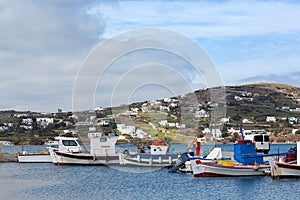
270 106
259 100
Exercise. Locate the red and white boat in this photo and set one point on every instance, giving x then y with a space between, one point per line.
246 163
201 169
286 170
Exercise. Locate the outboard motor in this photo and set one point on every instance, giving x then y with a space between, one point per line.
179 163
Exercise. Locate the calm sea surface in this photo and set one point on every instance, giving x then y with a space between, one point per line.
45 181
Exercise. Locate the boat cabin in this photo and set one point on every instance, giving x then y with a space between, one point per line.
69 144
260 140
102 145
245 153
159 148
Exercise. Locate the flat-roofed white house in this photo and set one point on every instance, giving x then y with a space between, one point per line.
270 119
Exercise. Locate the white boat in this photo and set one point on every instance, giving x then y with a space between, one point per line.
157 157
6 143
37 157
201 169
285 170
71 152
51 143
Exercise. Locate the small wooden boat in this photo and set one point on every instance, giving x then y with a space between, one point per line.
284 169
157 157
36 157
201 169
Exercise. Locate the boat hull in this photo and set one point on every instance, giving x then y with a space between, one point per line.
284 170
63 158
215 170
35 158
147 160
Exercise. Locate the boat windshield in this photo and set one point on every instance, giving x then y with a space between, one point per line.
80 144
258 138
266 138
69 142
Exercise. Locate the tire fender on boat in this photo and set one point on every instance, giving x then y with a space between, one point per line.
126 152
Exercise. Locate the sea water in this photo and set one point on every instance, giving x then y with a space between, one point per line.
46 181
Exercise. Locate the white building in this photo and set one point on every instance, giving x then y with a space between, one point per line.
9 124
270 119
217 134
293 120
3 128
164 108
126 129
27 121
45 120
201 114
247 121
225 120
237 98
163 123
206 131
27 127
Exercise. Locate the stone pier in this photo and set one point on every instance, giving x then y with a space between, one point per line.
5 157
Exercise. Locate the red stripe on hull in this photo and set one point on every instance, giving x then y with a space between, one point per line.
210 174
288 166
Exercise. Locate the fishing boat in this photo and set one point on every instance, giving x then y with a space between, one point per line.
247 162
280 169
201 169
183 163
157 157
70 151
40 156
34 157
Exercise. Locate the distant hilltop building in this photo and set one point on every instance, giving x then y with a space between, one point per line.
270 119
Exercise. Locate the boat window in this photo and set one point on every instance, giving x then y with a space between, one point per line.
258 138
266 138
103 139
69 142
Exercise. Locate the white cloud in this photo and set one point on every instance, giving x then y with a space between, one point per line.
44 42
208 19
42 45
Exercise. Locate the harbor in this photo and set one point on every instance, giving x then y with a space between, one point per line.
45 181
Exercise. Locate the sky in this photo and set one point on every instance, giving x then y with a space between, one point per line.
45 46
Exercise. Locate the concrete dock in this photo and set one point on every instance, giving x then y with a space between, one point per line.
5 157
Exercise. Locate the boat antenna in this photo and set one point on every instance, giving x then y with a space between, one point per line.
113 129
82 144
242 132
165 138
